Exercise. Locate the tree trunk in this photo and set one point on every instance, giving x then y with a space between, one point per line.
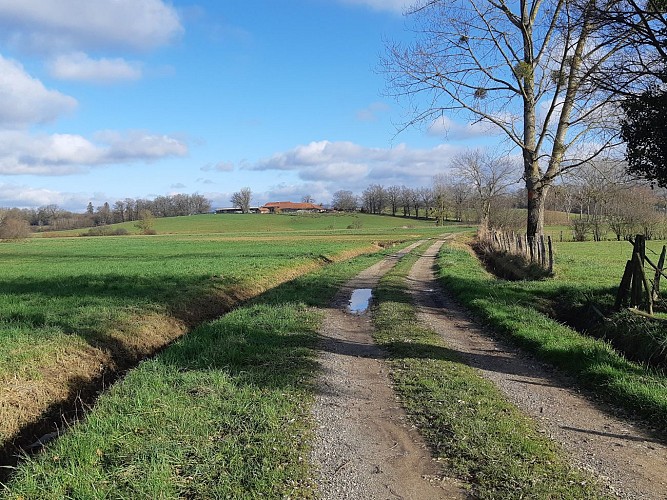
537 195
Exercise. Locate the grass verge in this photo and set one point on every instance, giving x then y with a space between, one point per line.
509 310
222 413
471 428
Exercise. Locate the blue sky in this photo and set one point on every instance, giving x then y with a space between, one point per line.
102 100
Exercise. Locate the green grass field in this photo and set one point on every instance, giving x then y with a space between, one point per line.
75 309
221 413
224 411
240 225
520 311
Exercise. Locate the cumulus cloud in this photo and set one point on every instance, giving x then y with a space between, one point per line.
21 196
79 66
65 154
349 164
25 100
89 24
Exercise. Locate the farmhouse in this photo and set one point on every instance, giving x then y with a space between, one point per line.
291 207
237 210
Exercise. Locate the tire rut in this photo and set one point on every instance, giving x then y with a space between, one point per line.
364 446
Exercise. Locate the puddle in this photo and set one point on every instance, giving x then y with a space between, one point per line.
360 301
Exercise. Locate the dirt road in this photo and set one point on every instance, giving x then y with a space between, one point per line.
365 447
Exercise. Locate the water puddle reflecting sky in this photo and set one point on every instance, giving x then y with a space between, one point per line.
360 301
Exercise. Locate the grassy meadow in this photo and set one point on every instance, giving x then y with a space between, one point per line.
221 413
524 311
74 310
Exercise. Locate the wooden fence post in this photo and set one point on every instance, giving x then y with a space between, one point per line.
625 287
658 273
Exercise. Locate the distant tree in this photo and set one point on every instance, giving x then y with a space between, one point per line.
426 199
489 177
241 199
118 211
307 199
103 214
374 199
406 200
415 200
90 210
145 222
199 204
12 228
345 201
394 198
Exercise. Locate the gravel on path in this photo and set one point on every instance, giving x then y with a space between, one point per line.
364 447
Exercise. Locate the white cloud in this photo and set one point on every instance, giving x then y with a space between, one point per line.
396 6
89 24
65 154
139 145
25 100
21 196
351 166
78 66
446 127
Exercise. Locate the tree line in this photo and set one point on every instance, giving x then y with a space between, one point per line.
126 210
598 201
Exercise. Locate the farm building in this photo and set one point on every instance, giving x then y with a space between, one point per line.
291 207
237 210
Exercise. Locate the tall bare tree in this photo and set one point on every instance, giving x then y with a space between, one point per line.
525 67
241 199
488 176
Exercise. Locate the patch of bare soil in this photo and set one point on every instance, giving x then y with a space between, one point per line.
365 446
631 460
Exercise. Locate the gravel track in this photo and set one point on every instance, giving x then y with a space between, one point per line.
364 447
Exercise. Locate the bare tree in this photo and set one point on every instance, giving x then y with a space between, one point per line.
406 200
374 199
426 199
394 198
242 199
525 68
488 176
344 201
307 199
